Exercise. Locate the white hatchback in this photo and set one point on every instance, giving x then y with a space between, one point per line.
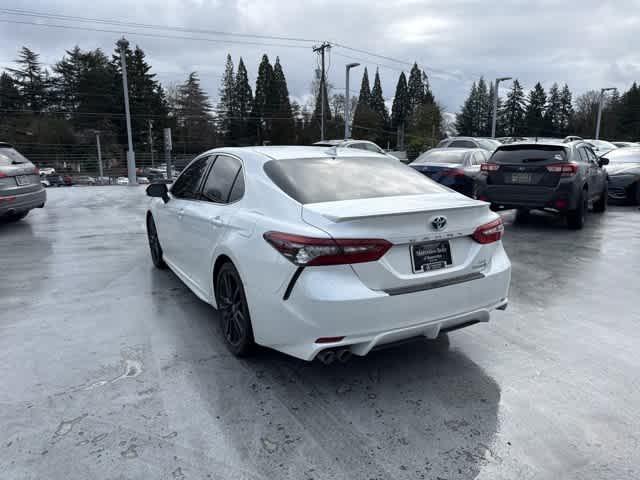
327 253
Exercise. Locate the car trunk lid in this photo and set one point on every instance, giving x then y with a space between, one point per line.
526 165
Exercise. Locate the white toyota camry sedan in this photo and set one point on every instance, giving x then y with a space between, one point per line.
327 253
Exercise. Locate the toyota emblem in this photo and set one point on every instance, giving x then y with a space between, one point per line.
439 223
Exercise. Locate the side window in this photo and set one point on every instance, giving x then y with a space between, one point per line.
462 144
479 158
221 179
582 155
188 184
592 156
359 146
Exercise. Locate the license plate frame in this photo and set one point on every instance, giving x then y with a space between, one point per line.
521 178
22 180
430 256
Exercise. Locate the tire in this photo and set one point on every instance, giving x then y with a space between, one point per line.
154 244
522 215
600 205
235 322
16 216
634 194
576 218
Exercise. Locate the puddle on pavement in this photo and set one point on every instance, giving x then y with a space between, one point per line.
132 369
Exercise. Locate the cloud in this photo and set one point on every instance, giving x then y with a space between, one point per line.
586 43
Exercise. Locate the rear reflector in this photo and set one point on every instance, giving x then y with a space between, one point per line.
561 204
564 169
489 167
309 251
329 339
489 232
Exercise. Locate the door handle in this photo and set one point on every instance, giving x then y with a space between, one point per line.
217 221
180 213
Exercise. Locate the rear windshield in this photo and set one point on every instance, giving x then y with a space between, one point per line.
448 155
10 156
488 144
624 155
319 180
529 153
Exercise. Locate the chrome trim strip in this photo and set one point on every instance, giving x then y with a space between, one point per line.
436 284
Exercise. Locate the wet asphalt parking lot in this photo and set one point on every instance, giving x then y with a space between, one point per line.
110 369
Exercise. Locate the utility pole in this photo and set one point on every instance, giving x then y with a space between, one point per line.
99 156
168 146
347 103
600 105
495 104
151 140
131 158
321 49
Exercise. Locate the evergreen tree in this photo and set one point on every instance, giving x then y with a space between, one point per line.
534 116
283 128
416 89
465 119
365 120
630 113
566 111
377 105
553 113
9 96
489 120
320 85
226 102
30 80
400 107
243 98
262 103
427 96
482 110
193 117
513 111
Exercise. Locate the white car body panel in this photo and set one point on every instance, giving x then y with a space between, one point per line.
339 300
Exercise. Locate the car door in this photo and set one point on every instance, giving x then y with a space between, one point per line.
590 171
205 221
169 215
599 174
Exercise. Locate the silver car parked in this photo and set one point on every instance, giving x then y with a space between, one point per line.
20 187
489 144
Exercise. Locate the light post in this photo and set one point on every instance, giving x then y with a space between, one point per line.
347 105
495 104
600 102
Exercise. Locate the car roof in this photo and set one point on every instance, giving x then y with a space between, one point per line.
454 149
279 152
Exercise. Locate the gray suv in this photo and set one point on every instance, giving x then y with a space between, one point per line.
561 177
20 187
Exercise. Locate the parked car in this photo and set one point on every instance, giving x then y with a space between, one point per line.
561 177
319 265
489 144
626 144
20 187
59 180
358 144
84 180
457 168
624 174
122 181
44 182
600 147
47 171
143 180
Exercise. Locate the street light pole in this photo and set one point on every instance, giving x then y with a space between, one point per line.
495 104
131 159
347 104
600 104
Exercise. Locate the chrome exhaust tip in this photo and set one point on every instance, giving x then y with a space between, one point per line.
344 355
326 356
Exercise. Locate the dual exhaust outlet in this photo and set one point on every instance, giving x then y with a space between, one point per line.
330 355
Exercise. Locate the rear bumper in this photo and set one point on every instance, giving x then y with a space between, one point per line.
333 302
20 203
509 196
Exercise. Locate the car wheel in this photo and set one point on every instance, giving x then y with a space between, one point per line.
576 218
600 205
634 196
154 244
235 322
522 215
16 216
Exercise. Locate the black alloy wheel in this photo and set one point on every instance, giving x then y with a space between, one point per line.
576 218
154 244
600 205
232 304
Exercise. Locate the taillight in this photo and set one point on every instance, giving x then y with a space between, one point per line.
489 167
564 169
2 175
454 172
489 232
36 171
309 251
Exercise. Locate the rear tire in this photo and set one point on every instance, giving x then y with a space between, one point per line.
600 205
154 244
235 321
522 215
634 194
576 218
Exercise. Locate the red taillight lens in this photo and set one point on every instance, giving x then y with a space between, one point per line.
309 251
489 167
489 232
36 171
454 172
564 169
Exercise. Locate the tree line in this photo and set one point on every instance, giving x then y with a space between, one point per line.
82 94
549 114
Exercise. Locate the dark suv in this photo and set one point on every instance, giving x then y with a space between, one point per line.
561 177
20 188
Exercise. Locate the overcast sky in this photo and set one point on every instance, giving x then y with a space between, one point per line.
587 44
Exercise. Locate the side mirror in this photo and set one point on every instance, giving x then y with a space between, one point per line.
158 190
603 161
